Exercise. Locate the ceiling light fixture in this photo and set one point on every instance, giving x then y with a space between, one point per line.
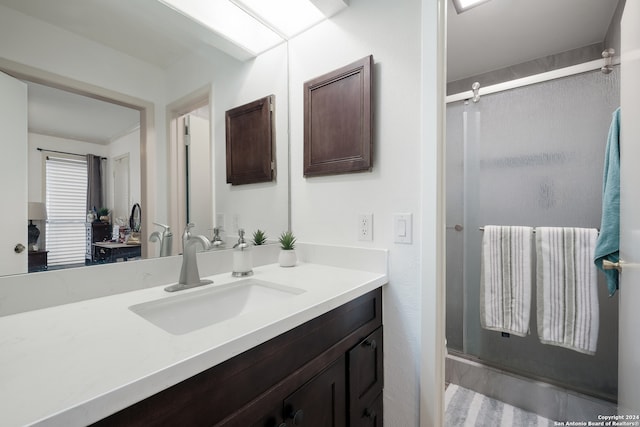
464 5
229 21
286 17
257 25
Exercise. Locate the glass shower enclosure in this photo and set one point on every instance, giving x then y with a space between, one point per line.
530 156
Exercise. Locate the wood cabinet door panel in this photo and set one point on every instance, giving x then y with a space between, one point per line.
321 402
338 122
250 139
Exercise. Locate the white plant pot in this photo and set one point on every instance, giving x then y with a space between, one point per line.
287 258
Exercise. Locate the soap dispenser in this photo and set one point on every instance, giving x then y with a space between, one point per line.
242 259
216 240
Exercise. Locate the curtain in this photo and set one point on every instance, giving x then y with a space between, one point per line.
95 186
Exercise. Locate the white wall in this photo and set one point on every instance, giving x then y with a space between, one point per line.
325 209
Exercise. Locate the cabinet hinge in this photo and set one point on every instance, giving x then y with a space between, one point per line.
187 136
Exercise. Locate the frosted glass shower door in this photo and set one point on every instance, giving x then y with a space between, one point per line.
533 156
472 146
463 145
454 232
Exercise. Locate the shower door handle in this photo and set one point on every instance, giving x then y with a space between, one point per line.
608 265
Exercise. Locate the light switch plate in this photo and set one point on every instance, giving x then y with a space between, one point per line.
403 228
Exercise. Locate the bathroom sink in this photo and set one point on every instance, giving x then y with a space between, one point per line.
188 312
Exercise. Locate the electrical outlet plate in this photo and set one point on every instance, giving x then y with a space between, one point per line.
365 227
220 220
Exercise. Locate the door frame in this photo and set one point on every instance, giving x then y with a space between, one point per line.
148 190
628 346
432 270
176 160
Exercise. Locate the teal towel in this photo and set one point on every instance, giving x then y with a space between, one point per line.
608 244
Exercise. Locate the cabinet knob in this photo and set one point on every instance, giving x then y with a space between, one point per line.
369 413
19 248
297 417
370 343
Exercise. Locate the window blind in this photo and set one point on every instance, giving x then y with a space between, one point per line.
66 198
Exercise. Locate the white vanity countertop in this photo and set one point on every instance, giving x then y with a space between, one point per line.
77 363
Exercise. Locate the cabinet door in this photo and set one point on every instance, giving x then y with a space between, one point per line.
365 377
321 402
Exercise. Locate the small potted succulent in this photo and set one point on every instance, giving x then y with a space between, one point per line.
259 238
287 256
103 215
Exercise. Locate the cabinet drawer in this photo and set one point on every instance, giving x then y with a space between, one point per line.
371 416
365 374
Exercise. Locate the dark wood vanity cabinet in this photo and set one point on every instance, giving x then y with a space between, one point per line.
320 402
325 373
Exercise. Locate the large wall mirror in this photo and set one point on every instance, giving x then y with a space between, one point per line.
123 76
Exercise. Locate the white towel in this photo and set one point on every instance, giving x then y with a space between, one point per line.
567 294
505 283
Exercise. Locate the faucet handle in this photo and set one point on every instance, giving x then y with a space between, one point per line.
242 243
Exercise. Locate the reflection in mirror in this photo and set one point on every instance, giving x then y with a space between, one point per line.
191 160
145 65
227 83
85 198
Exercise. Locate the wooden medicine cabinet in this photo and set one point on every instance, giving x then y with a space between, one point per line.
338 120
250 140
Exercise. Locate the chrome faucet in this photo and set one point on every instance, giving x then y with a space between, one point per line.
189 275
186 235
165 239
